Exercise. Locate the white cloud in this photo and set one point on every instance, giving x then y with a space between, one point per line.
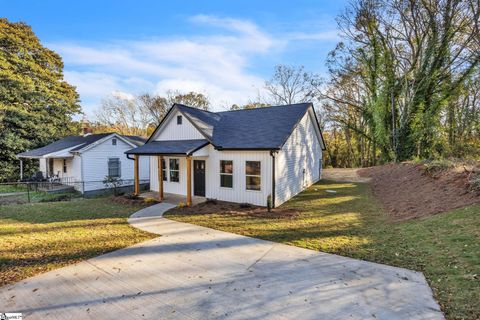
218 65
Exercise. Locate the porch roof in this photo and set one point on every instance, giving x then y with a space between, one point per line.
169 147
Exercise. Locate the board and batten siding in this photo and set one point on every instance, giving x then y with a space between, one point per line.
299 163
173 131
179 187
95 163
238 193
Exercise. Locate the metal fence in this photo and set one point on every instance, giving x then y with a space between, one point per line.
61 190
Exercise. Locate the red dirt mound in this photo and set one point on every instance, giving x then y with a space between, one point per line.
407 192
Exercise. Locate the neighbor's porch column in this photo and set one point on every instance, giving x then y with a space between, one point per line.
136 176
160 177
21 169
189 181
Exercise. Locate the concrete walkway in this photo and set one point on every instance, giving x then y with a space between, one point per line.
191 272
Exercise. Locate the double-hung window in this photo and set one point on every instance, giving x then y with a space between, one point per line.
253 178
226 173
174 170
114 168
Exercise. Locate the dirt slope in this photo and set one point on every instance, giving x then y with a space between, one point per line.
407 192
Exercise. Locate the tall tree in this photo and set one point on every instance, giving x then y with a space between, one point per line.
411 63
137 115
36 104
291 84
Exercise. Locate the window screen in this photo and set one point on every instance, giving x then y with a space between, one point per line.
114 168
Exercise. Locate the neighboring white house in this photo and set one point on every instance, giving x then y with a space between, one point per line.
239 156
85 161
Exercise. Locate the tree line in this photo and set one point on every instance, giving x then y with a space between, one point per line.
404 82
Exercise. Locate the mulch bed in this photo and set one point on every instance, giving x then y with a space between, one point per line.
407 192
132 201
235 209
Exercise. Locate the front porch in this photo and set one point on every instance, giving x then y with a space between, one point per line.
179 180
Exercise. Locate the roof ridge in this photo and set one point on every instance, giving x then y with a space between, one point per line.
268 107
193 108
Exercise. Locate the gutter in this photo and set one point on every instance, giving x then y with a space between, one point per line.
272 153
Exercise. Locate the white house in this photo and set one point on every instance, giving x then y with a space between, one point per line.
241 156
85 161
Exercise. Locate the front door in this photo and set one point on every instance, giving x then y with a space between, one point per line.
199 178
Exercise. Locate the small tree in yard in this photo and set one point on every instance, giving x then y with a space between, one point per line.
114 183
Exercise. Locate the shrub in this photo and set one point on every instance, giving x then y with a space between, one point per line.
181 205
475 183
150 200
132 196
436 166
113 182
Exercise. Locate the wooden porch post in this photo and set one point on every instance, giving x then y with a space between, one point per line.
189 181
160 177
136 176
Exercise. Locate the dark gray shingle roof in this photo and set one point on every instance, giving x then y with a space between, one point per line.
78 142
170 147
261 128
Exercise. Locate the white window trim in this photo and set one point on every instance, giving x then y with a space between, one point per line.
226 174
119 167
167 172
253 175
170 170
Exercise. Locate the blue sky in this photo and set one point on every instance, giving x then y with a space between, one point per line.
224 49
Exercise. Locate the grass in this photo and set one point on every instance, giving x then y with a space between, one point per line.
11 188
39 237
445 247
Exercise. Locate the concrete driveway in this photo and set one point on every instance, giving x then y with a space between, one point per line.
191 272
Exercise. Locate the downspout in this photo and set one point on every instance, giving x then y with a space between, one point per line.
272 153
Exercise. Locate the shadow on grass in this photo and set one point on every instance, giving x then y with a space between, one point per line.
63 211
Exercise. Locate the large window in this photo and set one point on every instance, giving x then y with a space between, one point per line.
253 175
226 173
164 169
174 170
114 168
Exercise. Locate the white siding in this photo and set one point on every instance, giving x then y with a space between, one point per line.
42 166
238 193
172 131
179 187
302 151
58 167
95 163
213 190
77 168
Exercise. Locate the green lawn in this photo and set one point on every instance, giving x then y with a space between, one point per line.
445 247
39 237
10 188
